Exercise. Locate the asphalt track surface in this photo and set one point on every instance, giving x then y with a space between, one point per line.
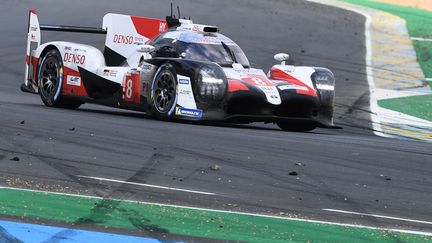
347 169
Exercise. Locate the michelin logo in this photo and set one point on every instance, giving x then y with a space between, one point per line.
180 111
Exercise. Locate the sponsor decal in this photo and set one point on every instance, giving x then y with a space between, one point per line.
196 28
147 67
288 69
202 39
110 73
327 87
74 58
33 37
185 98
323 78
292 86
123 39
80 50
73 80
183 81
33 28
68 48
266 88
162 27
180 111
139 39
185 92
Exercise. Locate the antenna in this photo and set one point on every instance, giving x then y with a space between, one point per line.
171 20
178 10
171 10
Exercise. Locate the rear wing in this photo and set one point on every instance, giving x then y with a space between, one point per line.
77 29
124 34
34 41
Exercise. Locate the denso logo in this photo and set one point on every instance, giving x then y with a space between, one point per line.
123 39
74 58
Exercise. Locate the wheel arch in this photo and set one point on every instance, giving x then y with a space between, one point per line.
56 100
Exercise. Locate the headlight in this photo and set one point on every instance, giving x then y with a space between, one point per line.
325 83
209 77
211 85
323 79
327 87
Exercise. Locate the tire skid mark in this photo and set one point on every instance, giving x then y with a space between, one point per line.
101 211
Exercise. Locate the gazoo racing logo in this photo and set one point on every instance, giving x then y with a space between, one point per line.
123 39
74 58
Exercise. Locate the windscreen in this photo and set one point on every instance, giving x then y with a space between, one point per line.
208 47
218 53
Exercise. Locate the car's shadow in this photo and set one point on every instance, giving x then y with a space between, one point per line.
143 115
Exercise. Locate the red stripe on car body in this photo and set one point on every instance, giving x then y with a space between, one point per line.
148 27
69 89
278 74
258 80
235 85
35 63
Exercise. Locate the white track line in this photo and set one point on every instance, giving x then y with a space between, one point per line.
420 39
225 211
146 185
376 121
377 216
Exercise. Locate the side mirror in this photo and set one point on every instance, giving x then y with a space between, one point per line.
281 57
145 48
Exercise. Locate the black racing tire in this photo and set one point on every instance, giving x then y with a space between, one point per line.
163 92
296 126
50 78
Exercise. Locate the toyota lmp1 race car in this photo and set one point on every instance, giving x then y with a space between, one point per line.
174 69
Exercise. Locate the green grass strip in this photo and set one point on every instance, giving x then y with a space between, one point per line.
181 221
419 106
419 24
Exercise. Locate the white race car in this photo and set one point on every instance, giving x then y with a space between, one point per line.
174 68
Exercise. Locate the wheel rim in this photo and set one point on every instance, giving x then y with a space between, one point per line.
49 77
164 91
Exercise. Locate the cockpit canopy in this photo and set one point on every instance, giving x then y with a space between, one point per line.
199 46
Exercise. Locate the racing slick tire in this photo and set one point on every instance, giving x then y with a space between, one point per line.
50 78
163 92
296 126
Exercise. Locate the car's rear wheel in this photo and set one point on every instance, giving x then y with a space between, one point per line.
296 126
163 92
50 78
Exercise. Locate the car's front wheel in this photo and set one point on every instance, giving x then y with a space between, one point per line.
50 78
163 92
